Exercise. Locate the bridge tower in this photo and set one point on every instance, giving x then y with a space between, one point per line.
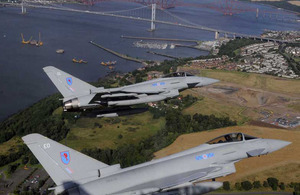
23 8
217 35
153 14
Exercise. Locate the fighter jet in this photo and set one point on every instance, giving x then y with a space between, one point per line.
76 173
81 96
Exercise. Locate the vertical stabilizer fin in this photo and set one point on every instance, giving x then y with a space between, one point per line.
62 163
67 84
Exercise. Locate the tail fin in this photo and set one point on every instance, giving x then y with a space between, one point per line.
62 163
67 84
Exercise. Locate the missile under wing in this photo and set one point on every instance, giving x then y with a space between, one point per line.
81 96
76 173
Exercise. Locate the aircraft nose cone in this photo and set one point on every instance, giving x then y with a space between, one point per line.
211 81
277 144
206 81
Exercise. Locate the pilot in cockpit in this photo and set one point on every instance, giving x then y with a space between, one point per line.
228 138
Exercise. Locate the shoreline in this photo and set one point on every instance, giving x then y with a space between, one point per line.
274 6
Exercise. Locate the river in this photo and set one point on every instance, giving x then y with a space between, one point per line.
22 80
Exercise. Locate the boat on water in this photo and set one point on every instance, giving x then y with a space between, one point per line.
32 42
108 63
79 61
60 51
39 43
23 40
103 64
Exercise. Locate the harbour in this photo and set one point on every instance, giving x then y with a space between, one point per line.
22 81
126 57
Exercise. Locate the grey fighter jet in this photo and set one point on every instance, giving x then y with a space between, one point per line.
80 96
76 173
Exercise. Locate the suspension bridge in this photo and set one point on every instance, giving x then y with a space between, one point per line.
226 7
153 14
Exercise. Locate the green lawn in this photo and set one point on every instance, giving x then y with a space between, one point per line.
209 106
295 106
10 146
133 128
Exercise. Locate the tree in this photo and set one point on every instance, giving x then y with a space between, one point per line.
297 187
33 160
238 186
282 186
25 160
273 183
226 185
256 184
247 185
138 78
265 184
12 168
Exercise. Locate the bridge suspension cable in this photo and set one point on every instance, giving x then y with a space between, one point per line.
120 11
179 18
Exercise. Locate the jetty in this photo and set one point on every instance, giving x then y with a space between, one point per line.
118 54
160 39
165 55
198 47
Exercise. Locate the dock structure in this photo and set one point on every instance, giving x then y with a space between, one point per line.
159 39
165 55
118 54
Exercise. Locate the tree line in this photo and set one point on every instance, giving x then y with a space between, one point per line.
229 48
271 182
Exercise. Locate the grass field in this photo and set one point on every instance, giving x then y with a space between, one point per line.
295 106
283 164
10 145
208 106
132 128
261 81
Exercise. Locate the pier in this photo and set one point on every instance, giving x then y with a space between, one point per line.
159 39
118 54
160 54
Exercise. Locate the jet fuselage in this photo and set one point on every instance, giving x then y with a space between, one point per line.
203 162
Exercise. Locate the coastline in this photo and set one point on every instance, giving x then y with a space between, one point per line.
274 6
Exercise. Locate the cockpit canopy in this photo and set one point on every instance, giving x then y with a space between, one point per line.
231 137
178 74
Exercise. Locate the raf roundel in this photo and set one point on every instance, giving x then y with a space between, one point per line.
65 157
69 80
